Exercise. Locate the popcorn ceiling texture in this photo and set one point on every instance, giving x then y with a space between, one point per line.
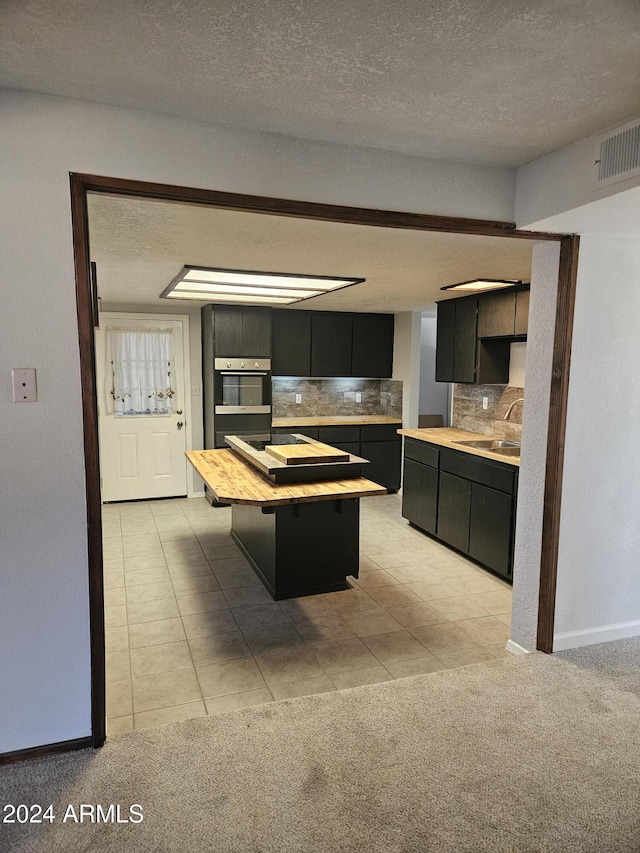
336 397
469 414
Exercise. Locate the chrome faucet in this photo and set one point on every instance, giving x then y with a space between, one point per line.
519 400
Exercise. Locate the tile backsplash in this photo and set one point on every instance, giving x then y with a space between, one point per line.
336 397
469 414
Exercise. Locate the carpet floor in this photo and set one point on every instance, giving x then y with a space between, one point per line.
524 754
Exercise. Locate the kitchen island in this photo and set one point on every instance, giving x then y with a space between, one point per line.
300 538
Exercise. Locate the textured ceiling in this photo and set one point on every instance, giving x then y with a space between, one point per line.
488 81
140 245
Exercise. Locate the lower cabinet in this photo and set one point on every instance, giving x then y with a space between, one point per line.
473 509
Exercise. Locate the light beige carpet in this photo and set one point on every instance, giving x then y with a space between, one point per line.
526 754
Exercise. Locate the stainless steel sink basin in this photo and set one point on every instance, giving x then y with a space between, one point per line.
492 444
506 451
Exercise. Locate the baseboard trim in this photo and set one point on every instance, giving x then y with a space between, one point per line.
34 752
592 636
515 649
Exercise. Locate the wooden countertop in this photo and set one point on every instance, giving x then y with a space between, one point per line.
233 481
336 420
447 436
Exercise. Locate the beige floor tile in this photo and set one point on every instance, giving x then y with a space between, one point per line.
374 578
498 651
237 578
152 611
177 535
369 622
144 562
208 624
460 607
225 556
116 639
149 592
141 546
350 601
247 595
118 725
395 558
485 631
159 574
164 689
343 655
464 657
263 640
318 629
307 607
111 566
394 596
237 701
218 647
193 586
156 633
391 648
201 602
444 637
306 687
190 558
186 544
231 676
191 570
258 616
293 664
115 596
360 677
506 618
414 574
475 585
113 580
415 615
496 603
167 716
118 696
115 615
117 665
430 590
415 666
166 657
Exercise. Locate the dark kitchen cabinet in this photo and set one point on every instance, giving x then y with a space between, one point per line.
240 331
456 340
331 344
291 343
522 312
385 458
372 353
496 315
491 528
420 495
454 506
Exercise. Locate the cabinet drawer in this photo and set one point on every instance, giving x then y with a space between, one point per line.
380 432
478 470
338 433
421 452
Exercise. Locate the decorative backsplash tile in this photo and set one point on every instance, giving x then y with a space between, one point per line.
469 414
336 397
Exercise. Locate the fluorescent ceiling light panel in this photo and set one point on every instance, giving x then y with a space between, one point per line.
483 284
207 284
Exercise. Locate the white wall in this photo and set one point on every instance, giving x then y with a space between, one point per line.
406 363
533 460
45 666
434 396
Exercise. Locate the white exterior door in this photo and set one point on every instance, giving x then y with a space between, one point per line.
141 455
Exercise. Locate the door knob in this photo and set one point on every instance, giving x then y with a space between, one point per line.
179 424
179 412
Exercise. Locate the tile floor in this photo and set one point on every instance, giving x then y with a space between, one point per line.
191 631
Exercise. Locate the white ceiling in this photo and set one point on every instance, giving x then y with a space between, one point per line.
488 81
139 246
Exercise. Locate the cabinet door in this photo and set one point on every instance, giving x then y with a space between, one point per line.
464 356
385 458
290 343
372 345
352 447
256 332
522 312
454 506
491 528
420 495
228 332
496 315
445 341
331 344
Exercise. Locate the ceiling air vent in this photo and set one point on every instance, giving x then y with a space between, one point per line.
618 155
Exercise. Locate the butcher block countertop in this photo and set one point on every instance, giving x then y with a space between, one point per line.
232 481
335 420
447 436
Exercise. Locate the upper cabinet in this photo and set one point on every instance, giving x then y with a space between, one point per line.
456 340
240 331
332 343
496 315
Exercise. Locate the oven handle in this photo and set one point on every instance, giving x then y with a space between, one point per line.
243 372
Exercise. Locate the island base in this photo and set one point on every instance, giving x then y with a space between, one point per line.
300 549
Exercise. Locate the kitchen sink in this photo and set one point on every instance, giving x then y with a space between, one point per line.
498 446
510 450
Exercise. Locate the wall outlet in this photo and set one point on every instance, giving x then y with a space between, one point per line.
23 382
485 402
298 398
358 397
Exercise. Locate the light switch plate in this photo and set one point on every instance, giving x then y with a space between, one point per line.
358 397
298 398
23 382
485 402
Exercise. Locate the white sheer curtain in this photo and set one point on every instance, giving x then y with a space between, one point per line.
140 366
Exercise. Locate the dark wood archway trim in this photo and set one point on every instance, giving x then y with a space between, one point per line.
567 277
81 184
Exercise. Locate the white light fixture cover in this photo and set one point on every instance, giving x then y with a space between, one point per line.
206 284
483 284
